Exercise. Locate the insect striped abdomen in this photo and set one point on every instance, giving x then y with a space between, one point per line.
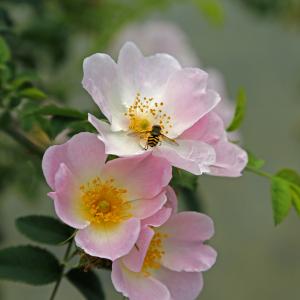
153 140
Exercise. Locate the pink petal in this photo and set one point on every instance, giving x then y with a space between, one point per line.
192 156
135 286
189 226
230 161
147 75
182 285
187 88
83 154
188 256
135 258
208 129
67 199
158 218
143 176
109 241
117 143
100 80
145 208
172 201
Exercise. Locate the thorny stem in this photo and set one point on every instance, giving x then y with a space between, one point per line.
66 257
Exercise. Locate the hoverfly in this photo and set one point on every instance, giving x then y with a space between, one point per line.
155 136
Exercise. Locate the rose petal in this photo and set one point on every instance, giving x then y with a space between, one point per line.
108 241
135 258
187 100
230 161
100 80
66 198
143 176
188 256
136 286
83 154
116 143
182 285
189 226
144 208
192 156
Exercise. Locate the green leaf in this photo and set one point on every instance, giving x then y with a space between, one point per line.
290 176
184 179
53 110
294 179
281 199
4 51
212 9
254 162
44 229
28 264
239 111
33 93
87 283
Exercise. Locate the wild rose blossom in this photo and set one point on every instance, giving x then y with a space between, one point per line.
166 37
105 201
167 262
140 92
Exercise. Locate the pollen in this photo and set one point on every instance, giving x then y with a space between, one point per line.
103 202
154 254
146 112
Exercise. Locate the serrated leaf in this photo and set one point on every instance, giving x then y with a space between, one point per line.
254 162
281 199
240 110
4 51
44 229
289 175
28 264
87 283
53 110
33 94
293 178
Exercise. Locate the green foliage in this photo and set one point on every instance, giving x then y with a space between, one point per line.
240 110
254 162
4 51
44 229
212 9
87 283
293 180
285 188
33 94
28 264
185 184
281 199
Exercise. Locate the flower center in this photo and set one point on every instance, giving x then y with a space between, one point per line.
145 113
154 254
102 202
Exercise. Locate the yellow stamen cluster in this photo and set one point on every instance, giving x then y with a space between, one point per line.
145 112
154 254
102 202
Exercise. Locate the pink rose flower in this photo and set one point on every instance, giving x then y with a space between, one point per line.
166 37
167 261
140 92
104 201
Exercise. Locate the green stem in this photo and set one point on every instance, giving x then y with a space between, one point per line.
66 256
23 140
260 173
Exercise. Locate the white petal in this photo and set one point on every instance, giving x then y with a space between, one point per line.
116 143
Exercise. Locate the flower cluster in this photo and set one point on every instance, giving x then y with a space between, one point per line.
159 116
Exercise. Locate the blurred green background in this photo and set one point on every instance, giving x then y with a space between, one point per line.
254 46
